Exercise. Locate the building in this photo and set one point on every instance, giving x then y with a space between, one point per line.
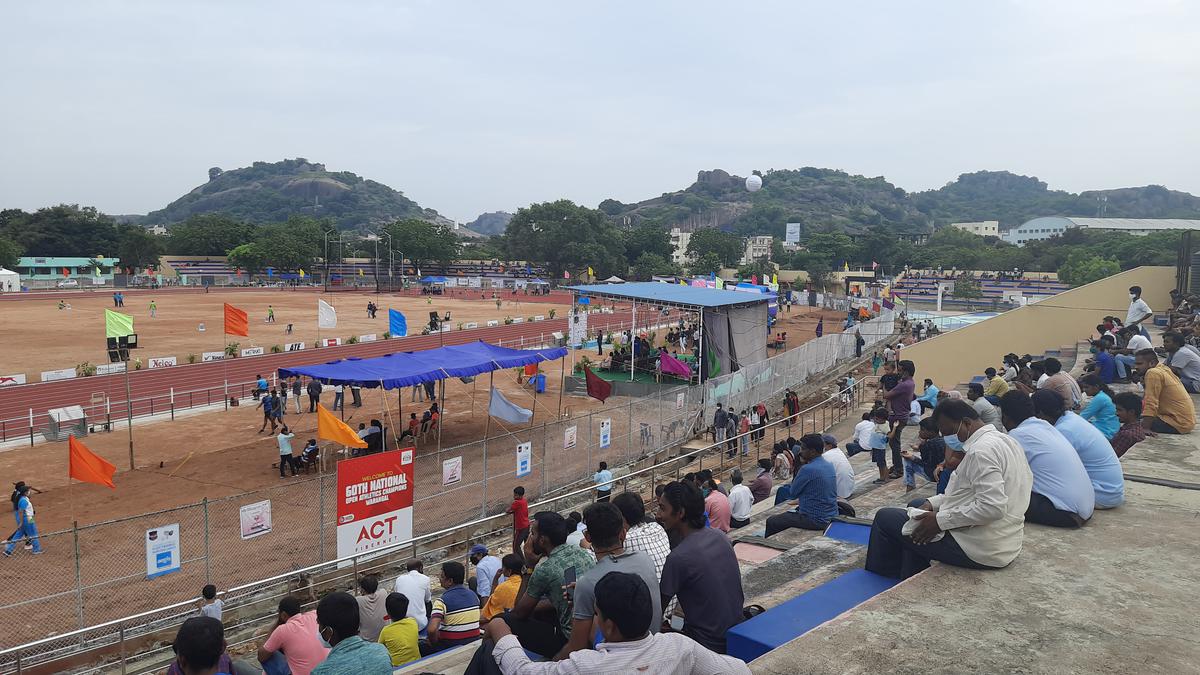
1050 226
679 244
47 270
756 248
983 228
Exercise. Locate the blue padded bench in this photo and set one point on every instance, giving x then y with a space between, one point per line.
753 638
855 533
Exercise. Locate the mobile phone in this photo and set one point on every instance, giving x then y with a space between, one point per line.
569 575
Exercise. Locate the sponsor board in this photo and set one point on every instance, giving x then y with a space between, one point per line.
331 342
375 499
60 374
470 324
570 437
518 319
16 378
212 356
162 550
539 317
293 347
161 362
255 519
253 351
605 433
110 368
369 337
524 459
493 323
451 471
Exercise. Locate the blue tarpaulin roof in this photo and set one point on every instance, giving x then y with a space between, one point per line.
673 294
404 369
432 280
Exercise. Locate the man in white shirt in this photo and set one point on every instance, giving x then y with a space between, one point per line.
740 501
862 436
1125 357
841 466
486 567
414 585
981 516
1138 312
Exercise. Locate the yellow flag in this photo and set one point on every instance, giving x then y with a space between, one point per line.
590 272
775 278
331 428
845 267
360 272
301 272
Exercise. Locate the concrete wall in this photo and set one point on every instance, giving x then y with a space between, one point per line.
954 358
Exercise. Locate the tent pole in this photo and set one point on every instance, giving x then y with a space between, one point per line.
632 340
562 380
487 430
442 411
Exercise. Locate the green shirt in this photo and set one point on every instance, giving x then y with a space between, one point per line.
547 579
355 656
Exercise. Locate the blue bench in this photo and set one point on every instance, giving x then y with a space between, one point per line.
753 638
855 533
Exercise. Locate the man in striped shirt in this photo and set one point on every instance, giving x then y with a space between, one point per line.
455 617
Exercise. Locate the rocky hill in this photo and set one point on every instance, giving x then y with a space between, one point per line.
491 224
272 191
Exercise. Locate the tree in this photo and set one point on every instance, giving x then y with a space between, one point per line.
422 241
249 257
645 238
833 248
137 247
706 264
648 265
208 234
10 252
726 246
1083 268
967 289
567 238
293 245
761 268
63 230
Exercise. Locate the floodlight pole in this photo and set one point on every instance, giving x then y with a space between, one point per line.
129 409
632 340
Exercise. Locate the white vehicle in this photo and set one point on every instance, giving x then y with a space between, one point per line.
68 283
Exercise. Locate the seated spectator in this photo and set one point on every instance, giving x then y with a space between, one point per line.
1062 492
199 648
862 435
1101 463
1062 383
845 473
996 386
716 505
923 458
454 620
416 587
372 608
548 552
1166 408
337 624
928 398
504 595
1099 410
414 427
814 491
1125 356
761 486
311 454
642 533
983 405
1129 414
741 501
1183 361
701 571
486 567
625 616
1102 364
400 636
293 642
705 475
980 516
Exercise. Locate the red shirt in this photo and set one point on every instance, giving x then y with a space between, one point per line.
520 513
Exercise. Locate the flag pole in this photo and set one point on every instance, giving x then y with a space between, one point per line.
442 409
562 380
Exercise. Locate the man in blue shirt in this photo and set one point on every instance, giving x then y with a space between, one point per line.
1062 494
928 399
814 491
1099 460
1103 363
603 487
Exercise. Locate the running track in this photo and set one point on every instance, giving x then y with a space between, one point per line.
150 389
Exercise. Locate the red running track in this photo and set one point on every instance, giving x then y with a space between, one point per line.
203 383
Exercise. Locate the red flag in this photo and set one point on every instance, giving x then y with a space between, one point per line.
66 272
236 321
597 387
88 467
754 279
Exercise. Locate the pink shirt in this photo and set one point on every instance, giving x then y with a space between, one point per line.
300 643
718 509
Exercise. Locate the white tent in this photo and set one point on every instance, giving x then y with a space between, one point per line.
614 280
10 281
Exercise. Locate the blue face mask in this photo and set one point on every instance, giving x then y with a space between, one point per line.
953 443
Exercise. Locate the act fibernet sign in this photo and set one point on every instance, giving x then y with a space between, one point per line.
375 500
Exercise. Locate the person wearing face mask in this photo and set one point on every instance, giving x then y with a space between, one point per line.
349 654
1138 312
981 515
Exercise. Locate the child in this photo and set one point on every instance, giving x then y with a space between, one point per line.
413 426
520 513
209 604
923 458
311 454
399 636
879 443
504 595
1129 413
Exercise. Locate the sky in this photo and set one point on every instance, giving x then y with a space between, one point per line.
469 107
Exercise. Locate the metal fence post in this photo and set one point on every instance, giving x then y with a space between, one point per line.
545 447
78 574
207 551
321 523
483 501
121 638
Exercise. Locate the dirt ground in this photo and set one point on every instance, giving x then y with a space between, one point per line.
63 338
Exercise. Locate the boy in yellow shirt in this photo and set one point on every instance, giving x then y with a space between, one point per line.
399 636
504 596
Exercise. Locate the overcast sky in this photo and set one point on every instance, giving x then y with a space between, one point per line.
480 106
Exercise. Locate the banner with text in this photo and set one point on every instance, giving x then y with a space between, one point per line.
162 550
375 500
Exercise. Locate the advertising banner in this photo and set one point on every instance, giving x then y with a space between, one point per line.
375 500
293 347
253 351
524 459
162 362
17 378
369 337
331 342
255 519
605 433
60 374
110 368
451 470
792 233
162 550
212 356
679 401
570 436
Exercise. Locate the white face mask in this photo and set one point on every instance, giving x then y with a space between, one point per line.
1132 296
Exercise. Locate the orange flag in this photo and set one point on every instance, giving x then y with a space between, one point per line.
236 321
331 428
88 467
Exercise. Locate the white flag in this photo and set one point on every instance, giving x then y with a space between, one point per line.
506 410
326 316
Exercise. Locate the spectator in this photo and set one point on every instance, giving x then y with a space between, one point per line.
1166 408
716 505
1125 357
199 648
642 533
520 513
624 615
705 475
1062 493
293 641
606 532
504 595
486 567
814 491
337 624
899 399
209 604
1101 463
841 465
982 405
928 398
575 530
1099 410
415 586
1138 312
701 571
720 419
879 445
741 500
400 636
1129 413
1183 361
314 395
455 617
372 607
1061 383
1102 364
996 386
980 516
761 486
603 486
923 458
862 436
547 550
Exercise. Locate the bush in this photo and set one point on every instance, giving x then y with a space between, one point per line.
85 369
191 358
352 340
276 349
231 349
387 335
508 321
583 362
137 364
552 312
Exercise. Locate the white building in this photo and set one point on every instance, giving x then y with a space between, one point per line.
757 247
1050 226
679 244
983 228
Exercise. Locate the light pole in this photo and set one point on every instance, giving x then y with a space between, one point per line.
326 279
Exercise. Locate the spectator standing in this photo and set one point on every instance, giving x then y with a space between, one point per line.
266 403
415 586
741 501
720 419
293 642
260 386
455 617
284 439
297 389
642 533
209 604
337 624
339 402
519 508
899 399
356 395
603 487
1138 311
486 567
372 607
314 395
400 635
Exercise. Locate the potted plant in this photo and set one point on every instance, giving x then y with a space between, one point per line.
191 358
231 350
552 312
352 340
276 349
85 369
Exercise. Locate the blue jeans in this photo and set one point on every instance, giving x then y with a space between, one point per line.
338 401
1123 362
911 471
276 665
745 445
26 531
